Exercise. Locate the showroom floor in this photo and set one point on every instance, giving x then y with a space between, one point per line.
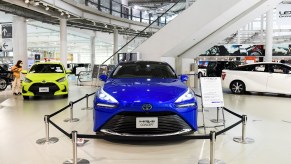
21 124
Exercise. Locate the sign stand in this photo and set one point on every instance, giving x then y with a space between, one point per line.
212 96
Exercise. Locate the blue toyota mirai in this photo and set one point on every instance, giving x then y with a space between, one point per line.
144 98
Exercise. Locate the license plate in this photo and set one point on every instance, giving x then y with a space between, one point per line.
44 89
147 122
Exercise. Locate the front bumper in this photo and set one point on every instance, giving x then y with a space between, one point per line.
122 121
124 124
54 89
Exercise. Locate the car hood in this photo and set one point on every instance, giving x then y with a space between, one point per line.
145 90
39 77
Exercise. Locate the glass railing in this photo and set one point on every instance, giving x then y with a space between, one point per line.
132 13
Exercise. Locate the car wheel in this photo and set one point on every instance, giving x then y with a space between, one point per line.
200 75
237 87
25 97
3 84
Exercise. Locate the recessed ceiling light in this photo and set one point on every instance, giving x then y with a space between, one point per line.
62 13
26 1
47 8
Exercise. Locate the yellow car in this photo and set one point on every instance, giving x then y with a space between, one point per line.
45 79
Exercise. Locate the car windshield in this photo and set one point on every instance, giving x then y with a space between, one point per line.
46 68
143 70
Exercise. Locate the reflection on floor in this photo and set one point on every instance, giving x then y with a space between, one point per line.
21 124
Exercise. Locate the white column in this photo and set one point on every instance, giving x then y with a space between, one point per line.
262 30
92 49
115 46
19 40
63 42
269 36
183 65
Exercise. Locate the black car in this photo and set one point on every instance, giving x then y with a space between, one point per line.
214 68
6 78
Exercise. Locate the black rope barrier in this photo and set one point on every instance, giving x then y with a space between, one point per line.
229 111
59 111
175 137
228 128
69 135
198 95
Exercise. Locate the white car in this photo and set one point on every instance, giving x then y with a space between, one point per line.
201 72
259 77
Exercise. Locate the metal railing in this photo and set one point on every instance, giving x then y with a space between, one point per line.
120 10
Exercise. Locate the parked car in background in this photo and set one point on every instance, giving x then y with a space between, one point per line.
259 77
6 77
45 79
214 68
144 99
202 71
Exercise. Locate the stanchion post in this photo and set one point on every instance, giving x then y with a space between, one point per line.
217 120
243 139
212 146
47 139
87 103
71 119
75 159
212 159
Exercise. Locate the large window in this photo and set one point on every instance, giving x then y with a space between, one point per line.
47 68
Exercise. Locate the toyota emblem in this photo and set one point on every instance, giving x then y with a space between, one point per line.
43 81
147 107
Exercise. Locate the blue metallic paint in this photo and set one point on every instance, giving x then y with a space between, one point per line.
132 93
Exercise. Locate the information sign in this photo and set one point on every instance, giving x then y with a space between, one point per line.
211 91
6 31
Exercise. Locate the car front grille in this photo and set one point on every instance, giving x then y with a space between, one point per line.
124 124
35 88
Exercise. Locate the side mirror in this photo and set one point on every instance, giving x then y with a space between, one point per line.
24 72
103 77
184 78
68 71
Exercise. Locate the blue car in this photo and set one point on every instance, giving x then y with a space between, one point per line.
144 98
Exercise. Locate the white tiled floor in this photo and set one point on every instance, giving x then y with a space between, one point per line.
21 124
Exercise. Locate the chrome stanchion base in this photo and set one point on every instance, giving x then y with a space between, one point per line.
247 140
207 161
79 161
217 120
43 141
72 120
89 108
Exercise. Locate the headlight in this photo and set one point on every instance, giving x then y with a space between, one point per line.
102 95
27 80
61 79
186 96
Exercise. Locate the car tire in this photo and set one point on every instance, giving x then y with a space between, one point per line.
237 87
200 75
25 97
3 84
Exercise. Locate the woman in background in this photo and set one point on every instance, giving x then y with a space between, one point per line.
16 85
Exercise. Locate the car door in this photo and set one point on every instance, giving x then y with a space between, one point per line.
279 79
257 78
